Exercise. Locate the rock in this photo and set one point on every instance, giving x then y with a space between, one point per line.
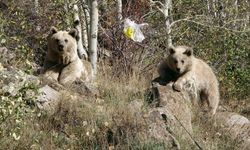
53 94
13 80
169 117
160 127
85 88
175 109
235 126
48 98
6 56
176 105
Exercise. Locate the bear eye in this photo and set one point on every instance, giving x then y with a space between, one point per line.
182 61
57 40
66 40
175 61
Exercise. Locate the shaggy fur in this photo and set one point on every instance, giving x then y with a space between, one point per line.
182 66
62 62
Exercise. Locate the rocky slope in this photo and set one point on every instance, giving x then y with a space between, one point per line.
166 114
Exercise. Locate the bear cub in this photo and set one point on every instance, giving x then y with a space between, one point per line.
182 66
62 62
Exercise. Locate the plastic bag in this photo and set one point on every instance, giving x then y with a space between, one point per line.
132 30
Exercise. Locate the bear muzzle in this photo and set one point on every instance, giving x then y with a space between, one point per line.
60 47
178 70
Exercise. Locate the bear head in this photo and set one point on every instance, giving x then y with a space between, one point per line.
180 59
63 42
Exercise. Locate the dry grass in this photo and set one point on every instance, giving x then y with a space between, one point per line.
105 122
87 123
210 136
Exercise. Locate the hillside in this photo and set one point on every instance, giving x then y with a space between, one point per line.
121 108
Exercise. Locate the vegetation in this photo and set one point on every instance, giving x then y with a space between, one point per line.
219 34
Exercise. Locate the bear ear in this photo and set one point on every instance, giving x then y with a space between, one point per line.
171 49
74 34
189 51
53 30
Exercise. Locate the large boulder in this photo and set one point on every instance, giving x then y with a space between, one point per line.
6 57
168 117
236 126
176 109
48 98
13 80
173 109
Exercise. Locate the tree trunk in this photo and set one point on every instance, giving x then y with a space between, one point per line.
86 23
93 35
167 12
165 8
247 15
214 8
119 10
221 13
36 3
208 7
66 9
77 24
236 13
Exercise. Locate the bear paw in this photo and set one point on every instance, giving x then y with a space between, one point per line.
177 87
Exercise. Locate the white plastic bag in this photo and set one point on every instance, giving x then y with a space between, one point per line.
132 30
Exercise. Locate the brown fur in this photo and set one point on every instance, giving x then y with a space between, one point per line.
62 62
181 66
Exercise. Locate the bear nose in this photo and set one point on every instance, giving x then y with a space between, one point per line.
178 69
60 46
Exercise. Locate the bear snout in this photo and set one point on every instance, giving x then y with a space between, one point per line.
60 47
178 70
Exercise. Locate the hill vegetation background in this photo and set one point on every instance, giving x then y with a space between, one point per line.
218 31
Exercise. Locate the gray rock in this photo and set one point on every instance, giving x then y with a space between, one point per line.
235 126
169 117
48 98
11 81
176 105
159 121
6 56
175 109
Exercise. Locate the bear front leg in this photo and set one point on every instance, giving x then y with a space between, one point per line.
70 73
52 73
178 85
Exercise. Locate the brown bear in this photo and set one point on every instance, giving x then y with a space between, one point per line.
62 62
181 66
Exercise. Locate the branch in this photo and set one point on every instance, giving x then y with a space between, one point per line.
148 14
156 2
83 4
77 25
160 9
205 25
234 21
